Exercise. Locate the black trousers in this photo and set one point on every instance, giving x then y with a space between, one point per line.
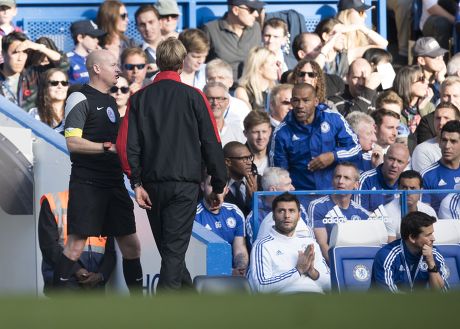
171 220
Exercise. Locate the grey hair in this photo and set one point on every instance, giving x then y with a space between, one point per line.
271 177
354 119
453 66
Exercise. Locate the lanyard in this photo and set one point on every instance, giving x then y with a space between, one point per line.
409 277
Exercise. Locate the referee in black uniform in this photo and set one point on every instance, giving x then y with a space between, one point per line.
169 132
99 203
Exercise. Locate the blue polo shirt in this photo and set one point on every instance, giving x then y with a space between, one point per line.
77 71
373 180
228 223
438 177
325 213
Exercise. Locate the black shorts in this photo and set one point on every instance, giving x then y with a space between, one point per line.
94 211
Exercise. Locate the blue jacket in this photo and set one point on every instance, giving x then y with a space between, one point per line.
295 144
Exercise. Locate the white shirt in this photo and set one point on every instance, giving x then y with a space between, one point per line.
231 132
393 222
273 265
426 4
236 112
450 207
425 154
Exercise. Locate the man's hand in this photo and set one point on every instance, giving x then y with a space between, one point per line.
377 155
215 201
81 274
427 98
134 87
241 271
142 198
427 252
321 161
251 185
92 280
373 80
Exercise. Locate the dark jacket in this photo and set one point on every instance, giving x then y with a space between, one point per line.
167 132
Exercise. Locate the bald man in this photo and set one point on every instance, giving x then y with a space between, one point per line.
383 177
99 204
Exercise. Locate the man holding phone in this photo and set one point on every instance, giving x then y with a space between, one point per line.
286 262
411 262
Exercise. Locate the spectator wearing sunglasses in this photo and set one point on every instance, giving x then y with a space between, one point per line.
169 15
233 35
134 68
85 35
51 96
121 94
197 45
112 18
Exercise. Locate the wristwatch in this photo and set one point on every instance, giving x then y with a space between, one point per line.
434 269
106 146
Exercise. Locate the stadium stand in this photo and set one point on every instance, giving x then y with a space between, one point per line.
447 234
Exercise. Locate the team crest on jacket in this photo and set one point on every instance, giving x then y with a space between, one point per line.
231 222
325 127
423 266
361 272
111 115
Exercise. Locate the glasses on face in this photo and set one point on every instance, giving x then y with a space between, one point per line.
420 79
250 10
55 83
302 74
131 67
124 16
114 89
246 158
172 16
217 99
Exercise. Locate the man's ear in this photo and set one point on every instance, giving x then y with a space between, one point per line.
301 54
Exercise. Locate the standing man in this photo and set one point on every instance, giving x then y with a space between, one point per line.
99 203
410 262
169 131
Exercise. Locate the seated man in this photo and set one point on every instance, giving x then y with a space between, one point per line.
384 177
408 180
258 130
445 173
410 262
98 259
311 140
450 206
286 262
227 221
336 208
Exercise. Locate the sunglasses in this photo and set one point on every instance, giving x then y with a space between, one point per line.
114 89
250 10
172 16
420 79
131 67
124 16
54 83
217 99
302 74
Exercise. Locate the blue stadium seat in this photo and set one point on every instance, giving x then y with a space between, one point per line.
451 254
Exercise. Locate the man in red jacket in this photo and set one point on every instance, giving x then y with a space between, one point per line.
168 133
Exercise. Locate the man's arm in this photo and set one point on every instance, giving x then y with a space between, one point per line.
240 256
48 234
383 272
347 145
81 145
321 239
278 152
436 281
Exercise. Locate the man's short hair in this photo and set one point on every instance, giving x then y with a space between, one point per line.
128 52
194 40
214 84
277 89
409 174
452 126
453 66
449 81
356 118
388 97
219 65
170 55
380 114
326 26
255 118
349 165
376 55
285 197
7 40
449 105
298 43
412 223
145 8
276 23
304 85
229 148
271 177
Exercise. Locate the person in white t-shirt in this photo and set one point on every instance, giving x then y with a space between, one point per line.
408 180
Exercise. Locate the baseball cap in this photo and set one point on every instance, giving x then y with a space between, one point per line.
249 3
167 7
8 3
358 5
86 27
428 46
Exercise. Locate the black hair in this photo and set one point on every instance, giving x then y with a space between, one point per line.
285 197
412 223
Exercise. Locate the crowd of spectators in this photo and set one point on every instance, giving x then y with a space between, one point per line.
328 111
